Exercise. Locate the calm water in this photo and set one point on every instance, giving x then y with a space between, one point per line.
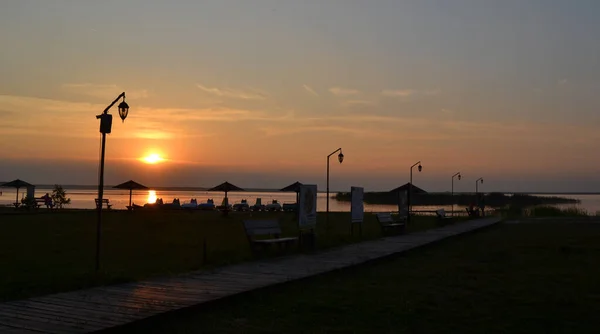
84 199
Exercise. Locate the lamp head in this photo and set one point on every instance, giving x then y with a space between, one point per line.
481 180
123 110
420 167
341 157
459 176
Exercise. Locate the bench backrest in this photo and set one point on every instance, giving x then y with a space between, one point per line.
104 200
385 217
262 227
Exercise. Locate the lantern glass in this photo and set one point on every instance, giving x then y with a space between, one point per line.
341 157
123 110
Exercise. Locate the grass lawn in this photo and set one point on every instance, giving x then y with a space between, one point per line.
42 253
511 278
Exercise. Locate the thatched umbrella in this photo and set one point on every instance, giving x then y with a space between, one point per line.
295 187
130 185
16 184
415 189
226 187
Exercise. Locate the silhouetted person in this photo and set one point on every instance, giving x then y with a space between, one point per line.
47 201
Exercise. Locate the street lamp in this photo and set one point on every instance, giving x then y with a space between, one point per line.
420 168
477 185
459 177
340 159
105 127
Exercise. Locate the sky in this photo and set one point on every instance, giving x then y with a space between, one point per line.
260 92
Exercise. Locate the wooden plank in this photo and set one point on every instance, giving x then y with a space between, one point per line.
69 311
105 297
238 280
101 301
158 295
38 325
192 283
196 287
52 315
102 309
15 330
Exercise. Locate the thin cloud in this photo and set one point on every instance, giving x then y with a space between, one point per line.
406 93
231 93
398 93
310 90
339 91
104 90
357 103
160 123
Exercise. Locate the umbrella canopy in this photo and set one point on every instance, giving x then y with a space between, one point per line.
16 184
226 187
130 185
295 187
415 189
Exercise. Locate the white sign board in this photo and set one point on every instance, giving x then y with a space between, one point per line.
357 207
403 203
307 206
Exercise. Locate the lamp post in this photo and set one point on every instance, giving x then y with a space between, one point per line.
340 159
459 177
477 185
420 168
105 127
477 200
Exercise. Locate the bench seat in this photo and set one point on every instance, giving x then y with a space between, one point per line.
269 229
389 224
273 241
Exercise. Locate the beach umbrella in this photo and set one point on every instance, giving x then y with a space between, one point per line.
415 189
131 186
226 187
16 184
295 187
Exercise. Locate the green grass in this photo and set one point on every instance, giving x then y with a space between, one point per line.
550 211
543 211
517 278
50 252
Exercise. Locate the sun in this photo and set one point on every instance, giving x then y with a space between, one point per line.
153 158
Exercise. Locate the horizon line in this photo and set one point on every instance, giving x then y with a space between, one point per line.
199 188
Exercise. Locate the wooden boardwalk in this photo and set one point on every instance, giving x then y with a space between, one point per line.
104 307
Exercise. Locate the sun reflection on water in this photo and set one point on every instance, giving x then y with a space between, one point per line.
151 196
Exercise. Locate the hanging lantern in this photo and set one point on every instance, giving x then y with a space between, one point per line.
341 157
123 110
420 168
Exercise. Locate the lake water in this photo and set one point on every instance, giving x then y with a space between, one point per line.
84 199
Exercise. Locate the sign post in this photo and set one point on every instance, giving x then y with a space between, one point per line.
307 213
357 208
402 203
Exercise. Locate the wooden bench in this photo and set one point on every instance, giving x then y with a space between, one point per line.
389 224
441 214
472 213
42 201
104 201
265 228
